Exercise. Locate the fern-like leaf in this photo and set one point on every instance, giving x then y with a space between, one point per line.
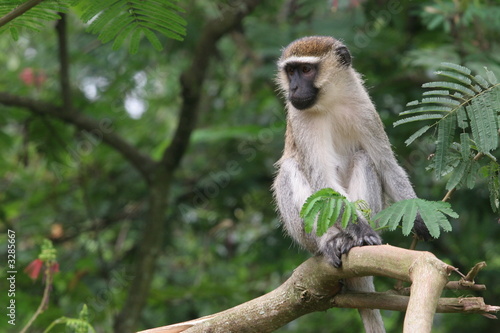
323 208
446 129
120 20
483 117
421 117
450 86
33 20
417 134
471 104
433 214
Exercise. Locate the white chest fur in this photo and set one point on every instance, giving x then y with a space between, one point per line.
328 140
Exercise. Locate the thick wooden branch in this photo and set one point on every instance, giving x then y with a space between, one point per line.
100 129
314 286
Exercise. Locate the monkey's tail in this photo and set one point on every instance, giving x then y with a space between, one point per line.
372 319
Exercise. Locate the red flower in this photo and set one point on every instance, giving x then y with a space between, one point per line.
34 268
33 77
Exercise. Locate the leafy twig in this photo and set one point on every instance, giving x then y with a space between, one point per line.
18 11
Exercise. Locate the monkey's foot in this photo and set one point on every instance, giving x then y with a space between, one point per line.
345 240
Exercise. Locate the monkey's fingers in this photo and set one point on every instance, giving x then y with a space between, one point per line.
342 242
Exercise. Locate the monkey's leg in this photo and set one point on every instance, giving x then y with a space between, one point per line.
365 184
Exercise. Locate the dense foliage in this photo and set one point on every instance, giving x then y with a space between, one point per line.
220 239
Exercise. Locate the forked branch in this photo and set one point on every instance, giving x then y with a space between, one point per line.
314 286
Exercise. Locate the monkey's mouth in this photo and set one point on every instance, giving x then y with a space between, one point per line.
303 103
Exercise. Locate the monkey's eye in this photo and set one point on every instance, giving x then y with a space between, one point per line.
290 70
306 68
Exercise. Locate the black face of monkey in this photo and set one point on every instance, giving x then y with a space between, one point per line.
302 93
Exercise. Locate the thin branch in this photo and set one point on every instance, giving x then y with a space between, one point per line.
44 304
18 11
100 129
64 80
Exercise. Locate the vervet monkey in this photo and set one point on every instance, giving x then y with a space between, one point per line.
334 138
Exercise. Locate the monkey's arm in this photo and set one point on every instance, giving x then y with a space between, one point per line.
291 189
396 184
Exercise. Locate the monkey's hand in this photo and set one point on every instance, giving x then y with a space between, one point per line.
420 229
356 234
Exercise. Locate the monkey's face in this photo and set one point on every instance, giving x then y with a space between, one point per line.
309 68
301 90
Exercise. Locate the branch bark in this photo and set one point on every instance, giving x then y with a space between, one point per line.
314 286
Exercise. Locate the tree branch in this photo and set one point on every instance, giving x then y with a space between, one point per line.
192 78
64 80
18 11
101 129
314 286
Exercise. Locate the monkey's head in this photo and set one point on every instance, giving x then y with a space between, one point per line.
312 67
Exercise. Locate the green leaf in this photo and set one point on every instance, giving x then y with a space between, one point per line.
310 218
153 39
436 93
457 68
446 130
441 100
427 108
347 215
458 174
450 86
457 76
328 203
491 76
465 149
418 118
325 216
483 121
433 214
14 33
481 81
135 40
120 19
409 218
462 120
311 201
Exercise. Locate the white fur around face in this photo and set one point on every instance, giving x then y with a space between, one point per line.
296 59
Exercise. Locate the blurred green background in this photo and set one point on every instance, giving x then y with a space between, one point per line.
222 243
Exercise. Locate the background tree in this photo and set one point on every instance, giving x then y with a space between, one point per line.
144 217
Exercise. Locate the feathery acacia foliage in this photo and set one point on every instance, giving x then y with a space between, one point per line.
433 214
116 20
466 113
121 19
327 206
34 19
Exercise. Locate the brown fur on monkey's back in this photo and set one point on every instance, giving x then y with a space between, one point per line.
314 46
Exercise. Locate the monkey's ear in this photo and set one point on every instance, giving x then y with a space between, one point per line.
344 56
